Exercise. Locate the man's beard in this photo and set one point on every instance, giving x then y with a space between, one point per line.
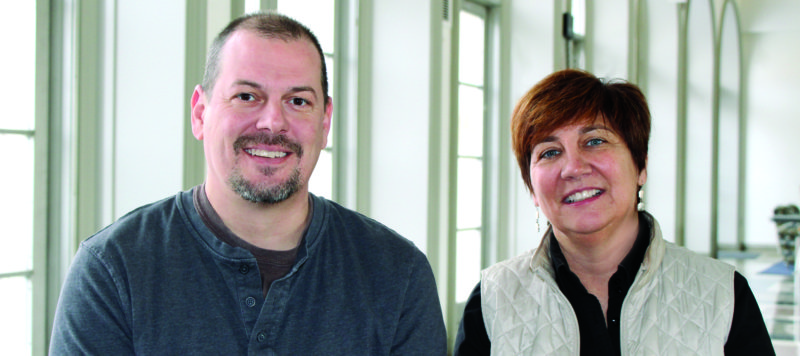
264 193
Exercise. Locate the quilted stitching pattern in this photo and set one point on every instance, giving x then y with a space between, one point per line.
533 317
679 305
689 308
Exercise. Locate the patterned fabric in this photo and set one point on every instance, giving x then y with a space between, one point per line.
680 304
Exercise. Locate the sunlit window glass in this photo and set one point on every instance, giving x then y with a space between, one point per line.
469 191
251 6
17 95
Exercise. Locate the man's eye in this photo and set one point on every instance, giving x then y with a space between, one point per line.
246 97
298 101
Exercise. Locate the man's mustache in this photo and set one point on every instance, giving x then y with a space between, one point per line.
265 138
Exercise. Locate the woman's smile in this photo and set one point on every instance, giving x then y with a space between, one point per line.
584 178
582 195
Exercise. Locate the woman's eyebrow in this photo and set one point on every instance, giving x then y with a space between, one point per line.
591 128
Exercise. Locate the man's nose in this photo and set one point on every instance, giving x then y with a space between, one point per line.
273 118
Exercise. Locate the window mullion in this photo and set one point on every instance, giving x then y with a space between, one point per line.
28 133
26 274
40 275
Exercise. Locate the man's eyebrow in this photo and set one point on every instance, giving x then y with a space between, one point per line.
292 90
247 83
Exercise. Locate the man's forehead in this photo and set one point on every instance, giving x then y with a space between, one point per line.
246 51
248 38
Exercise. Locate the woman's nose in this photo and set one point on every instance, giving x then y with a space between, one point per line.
576 165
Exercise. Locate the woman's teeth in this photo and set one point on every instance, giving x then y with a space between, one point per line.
583 195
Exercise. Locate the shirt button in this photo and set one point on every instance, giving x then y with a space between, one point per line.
261 337
250 301
243 269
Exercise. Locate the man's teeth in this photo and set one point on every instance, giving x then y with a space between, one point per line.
579 196
265 153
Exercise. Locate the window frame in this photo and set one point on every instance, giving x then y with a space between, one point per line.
498 163
44 296
481 12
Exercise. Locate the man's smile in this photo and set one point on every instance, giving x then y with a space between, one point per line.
265 153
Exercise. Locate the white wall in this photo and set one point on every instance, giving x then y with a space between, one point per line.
699 123
400 116
660 22
150 102
771 45
608 34
729 129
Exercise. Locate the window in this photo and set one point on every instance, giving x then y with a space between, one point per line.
17 144
470 148
574 33
479 158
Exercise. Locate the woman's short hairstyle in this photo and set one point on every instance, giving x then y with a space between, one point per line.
573 96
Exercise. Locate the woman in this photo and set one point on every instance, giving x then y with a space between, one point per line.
603 281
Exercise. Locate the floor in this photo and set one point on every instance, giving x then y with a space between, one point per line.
776 293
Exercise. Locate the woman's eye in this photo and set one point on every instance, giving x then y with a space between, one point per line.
548 154
595 142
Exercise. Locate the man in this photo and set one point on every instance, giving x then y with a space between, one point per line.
249 262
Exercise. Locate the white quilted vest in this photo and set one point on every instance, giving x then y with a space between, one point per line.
679 304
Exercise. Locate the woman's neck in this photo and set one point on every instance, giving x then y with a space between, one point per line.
595 258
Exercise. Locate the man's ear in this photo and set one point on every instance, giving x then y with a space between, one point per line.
326 121
198 109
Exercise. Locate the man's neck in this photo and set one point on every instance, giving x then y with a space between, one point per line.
276 227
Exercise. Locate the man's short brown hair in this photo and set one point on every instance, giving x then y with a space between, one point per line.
267 25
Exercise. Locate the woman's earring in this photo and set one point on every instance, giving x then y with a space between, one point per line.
538 227
640 199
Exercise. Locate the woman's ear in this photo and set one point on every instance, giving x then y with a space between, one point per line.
643 174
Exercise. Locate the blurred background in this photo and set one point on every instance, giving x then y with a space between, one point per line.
96 123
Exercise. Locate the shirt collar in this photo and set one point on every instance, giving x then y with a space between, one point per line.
214 222
629 265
